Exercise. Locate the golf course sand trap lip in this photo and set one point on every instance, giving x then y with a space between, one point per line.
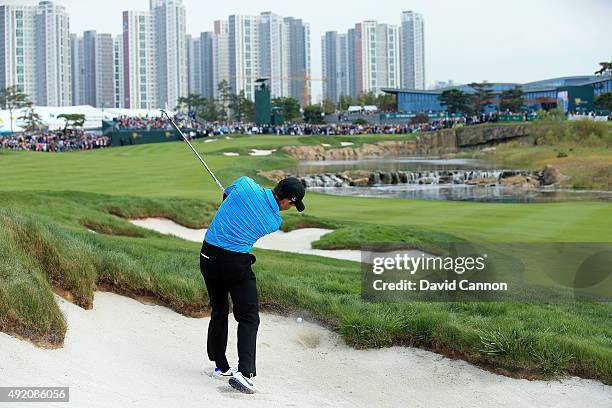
296 241
124 353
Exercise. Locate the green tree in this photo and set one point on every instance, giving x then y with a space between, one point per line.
344 102
386 101
242 108
314 114
367 98
72 119
225 96
289 108
456 101
32 120
483 93
605 68
193 102
12 99
210 111
604 101
552 115
511 99
329 107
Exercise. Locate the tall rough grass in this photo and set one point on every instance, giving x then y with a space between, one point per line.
582 133
27 306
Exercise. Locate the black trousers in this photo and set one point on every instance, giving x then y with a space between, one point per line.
226 272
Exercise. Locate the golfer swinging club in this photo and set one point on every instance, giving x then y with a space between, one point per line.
248 212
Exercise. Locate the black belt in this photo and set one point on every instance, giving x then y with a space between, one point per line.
215 249
223 251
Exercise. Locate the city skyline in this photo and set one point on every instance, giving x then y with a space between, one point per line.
548 32
484 65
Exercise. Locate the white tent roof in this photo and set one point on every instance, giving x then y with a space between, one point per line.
114 112
5 122
366 108
49 116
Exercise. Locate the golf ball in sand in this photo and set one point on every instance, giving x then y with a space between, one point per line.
299 320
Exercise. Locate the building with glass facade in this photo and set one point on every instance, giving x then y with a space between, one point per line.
575 93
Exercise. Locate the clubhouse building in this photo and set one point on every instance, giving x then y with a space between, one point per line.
573 94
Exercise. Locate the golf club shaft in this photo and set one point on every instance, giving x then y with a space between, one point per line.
194 150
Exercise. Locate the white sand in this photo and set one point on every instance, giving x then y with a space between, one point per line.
124 353
210 140
346 143
325 145
256 152
231 154
297 241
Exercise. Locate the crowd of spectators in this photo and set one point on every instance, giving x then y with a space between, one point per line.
195 129
74 139
154 123
592 115
345 128
54 141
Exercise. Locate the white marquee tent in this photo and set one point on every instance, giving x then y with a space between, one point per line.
49 116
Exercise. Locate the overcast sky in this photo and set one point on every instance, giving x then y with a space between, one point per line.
465 40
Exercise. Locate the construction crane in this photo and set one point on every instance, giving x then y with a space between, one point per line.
306 79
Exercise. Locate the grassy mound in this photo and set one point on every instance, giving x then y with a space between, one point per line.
580 149
27 307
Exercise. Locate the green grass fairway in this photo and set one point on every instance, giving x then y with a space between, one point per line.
171 170
49 201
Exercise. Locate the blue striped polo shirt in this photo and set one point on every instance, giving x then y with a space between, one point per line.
248 213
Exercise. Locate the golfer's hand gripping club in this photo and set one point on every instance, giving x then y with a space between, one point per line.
193 149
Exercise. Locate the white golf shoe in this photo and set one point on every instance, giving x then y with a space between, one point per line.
220 375
242 384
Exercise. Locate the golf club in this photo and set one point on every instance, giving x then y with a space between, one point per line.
194 150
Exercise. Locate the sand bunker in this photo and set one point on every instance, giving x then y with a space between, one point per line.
231 154
125 353
256 152
297 241
344 144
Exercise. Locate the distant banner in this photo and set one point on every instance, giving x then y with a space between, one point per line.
431 115
397 115
563 100
463 271
510 118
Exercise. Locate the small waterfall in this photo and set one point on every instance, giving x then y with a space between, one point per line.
414 177
324 180
374 178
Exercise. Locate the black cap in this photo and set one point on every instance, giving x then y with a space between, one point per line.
293 189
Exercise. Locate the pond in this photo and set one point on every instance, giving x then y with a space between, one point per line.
433 178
